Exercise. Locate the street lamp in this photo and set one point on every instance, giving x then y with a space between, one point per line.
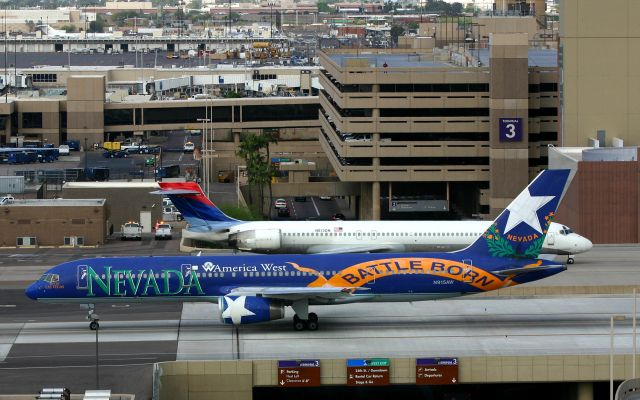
271 4
611 336
203 160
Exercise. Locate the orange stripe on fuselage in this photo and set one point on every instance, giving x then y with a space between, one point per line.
363 273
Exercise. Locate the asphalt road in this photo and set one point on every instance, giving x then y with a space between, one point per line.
49 349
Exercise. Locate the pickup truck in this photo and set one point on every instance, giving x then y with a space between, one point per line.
163 231
131 230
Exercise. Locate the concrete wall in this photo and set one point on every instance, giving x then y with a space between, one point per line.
85 108
50 224
235 379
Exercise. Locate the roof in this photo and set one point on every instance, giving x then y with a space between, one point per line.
111 185
57 202
537 57
396 60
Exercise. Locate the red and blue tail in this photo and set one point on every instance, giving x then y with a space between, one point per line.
520 229
192 203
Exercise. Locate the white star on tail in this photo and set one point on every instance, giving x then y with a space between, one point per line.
524 209
236 309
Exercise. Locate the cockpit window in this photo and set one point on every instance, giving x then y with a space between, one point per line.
50 278
566 231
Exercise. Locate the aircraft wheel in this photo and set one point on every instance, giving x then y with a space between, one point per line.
299 325
93 325
312 323
570 260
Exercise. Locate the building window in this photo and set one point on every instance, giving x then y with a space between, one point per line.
433 112
31 120
24 221
74 240
184 115
118 117
40 78
26 241
77 221
281 112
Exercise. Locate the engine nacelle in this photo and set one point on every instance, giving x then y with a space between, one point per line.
239 310
256 240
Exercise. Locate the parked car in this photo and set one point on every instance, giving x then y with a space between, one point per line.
284 212
115 154
280 203
63 150
325 197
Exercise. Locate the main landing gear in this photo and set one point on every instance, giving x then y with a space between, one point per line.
305 324
303 319
570 259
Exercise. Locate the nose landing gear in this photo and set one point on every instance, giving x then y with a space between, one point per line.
570 259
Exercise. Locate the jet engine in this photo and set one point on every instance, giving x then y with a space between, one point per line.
256 240
238 310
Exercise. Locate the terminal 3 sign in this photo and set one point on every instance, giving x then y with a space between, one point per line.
298 373
368 372
510 129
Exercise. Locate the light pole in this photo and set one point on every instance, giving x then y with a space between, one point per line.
635 312
271 3
611 336
205 172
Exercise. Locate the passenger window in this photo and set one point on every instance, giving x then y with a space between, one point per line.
209 274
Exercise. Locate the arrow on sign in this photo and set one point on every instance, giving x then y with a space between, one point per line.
282 383
453 380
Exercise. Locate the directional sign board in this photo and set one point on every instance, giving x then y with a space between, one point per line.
370 372
436 371
298 373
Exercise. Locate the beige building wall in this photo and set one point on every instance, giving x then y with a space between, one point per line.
85 108
50 109
600 44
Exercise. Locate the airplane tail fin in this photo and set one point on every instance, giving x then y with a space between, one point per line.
520 229
192 203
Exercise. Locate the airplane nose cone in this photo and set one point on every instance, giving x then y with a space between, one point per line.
32 291
586 244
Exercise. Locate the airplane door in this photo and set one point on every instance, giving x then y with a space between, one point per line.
551 239
373 235
82 281
186 270
359 235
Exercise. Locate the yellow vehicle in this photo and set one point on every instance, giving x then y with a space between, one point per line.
111 146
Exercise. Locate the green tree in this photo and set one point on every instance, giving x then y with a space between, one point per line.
324 7
98 25
254 150
395 32
195 5
68 28
30 25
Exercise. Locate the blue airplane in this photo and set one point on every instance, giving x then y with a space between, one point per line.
257 288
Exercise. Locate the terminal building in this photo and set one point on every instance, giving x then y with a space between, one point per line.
405 130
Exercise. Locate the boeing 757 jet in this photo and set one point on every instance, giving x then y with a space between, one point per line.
257 288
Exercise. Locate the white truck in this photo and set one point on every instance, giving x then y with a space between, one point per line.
163 231
131 230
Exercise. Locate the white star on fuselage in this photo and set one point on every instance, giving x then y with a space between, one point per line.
524 209
236 309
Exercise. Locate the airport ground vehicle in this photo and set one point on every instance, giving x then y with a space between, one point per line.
63 150
284 212
189 147
114 154
162 231
225 176
131 231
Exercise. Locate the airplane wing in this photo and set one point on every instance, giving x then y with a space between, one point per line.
175 191
523 270
295 292
368 248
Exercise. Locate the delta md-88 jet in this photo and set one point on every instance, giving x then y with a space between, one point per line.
209 223
257 288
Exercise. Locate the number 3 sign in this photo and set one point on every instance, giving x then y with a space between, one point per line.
510 129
